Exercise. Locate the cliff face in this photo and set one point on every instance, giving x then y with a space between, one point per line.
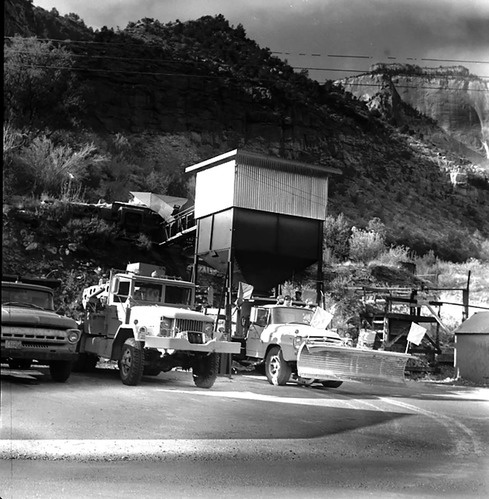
456 100
180 93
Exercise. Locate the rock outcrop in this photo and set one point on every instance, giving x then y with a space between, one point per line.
451 96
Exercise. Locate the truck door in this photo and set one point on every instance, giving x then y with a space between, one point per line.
258 321
118 311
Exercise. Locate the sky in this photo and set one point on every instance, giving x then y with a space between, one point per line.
337 37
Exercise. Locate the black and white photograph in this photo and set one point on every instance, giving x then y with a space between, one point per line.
245 249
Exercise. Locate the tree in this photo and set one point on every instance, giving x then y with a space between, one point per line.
337 236
39 86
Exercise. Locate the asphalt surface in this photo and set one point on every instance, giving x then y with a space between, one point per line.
94 437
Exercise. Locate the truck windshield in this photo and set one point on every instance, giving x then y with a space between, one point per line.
286 315
178 295
27 297
145 291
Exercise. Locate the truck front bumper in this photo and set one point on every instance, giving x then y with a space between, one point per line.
182 344
14 353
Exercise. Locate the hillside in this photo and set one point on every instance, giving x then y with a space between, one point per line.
154 98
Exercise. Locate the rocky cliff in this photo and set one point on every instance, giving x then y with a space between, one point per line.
179 93
456 100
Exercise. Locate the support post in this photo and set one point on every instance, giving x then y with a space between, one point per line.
320 275
465 299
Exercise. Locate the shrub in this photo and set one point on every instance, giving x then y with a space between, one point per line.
365 245
90 232
39 85
394 255
56 169
337 236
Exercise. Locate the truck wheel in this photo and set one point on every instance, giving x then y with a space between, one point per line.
85 363
60 370
131 362
332 383
205 370
19 363
278 371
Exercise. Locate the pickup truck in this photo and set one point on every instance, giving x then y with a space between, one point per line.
33 331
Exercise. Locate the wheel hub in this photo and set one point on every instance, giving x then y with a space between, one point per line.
126 362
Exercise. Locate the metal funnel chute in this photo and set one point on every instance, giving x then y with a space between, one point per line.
164 205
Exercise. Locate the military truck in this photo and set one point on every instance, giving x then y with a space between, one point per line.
144 320
293 342
31 329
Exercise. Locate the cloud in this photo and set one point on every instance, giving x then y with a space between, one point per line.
379 29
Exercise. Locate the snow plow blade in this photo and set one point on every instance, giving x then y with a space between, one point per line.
324 362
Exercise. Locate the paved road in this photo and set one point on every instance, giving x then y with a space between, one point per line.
94 437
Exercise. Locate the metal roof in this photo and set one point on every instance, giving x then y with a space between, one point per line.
478 323
241 156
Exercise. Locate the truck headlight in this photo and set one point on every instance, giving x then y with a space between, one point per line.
298 340
142 332
209 331
73 335
165 327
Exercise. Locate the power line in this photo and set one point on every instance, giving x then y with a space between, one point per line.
154 73
215 77
191 62
347 56
343 56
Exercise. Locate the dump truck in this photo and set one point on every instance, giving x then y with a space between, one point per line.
293 342
33 332
145 321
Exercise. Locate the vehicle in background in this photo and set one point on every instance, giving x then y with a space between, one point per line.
32 330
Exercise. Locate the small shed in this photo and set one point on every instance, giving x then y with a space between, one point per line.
472 349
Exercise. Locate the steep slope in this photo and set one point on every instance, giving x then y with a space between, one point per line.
184 92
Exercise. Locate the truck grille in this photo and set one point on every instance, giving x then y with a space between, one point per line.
34 337
190 325
323 340
28 344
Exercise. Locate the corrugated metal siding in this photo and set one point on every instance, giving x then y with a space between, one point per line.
214 188
276 191
264 184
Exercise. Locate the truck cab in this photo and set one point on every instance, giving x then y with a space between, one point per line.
275 333
145 321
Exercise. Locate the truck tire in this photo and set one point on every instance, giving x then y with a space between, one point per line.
20 363
86 362
332 383
131 362
278 371
205 370
60 370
